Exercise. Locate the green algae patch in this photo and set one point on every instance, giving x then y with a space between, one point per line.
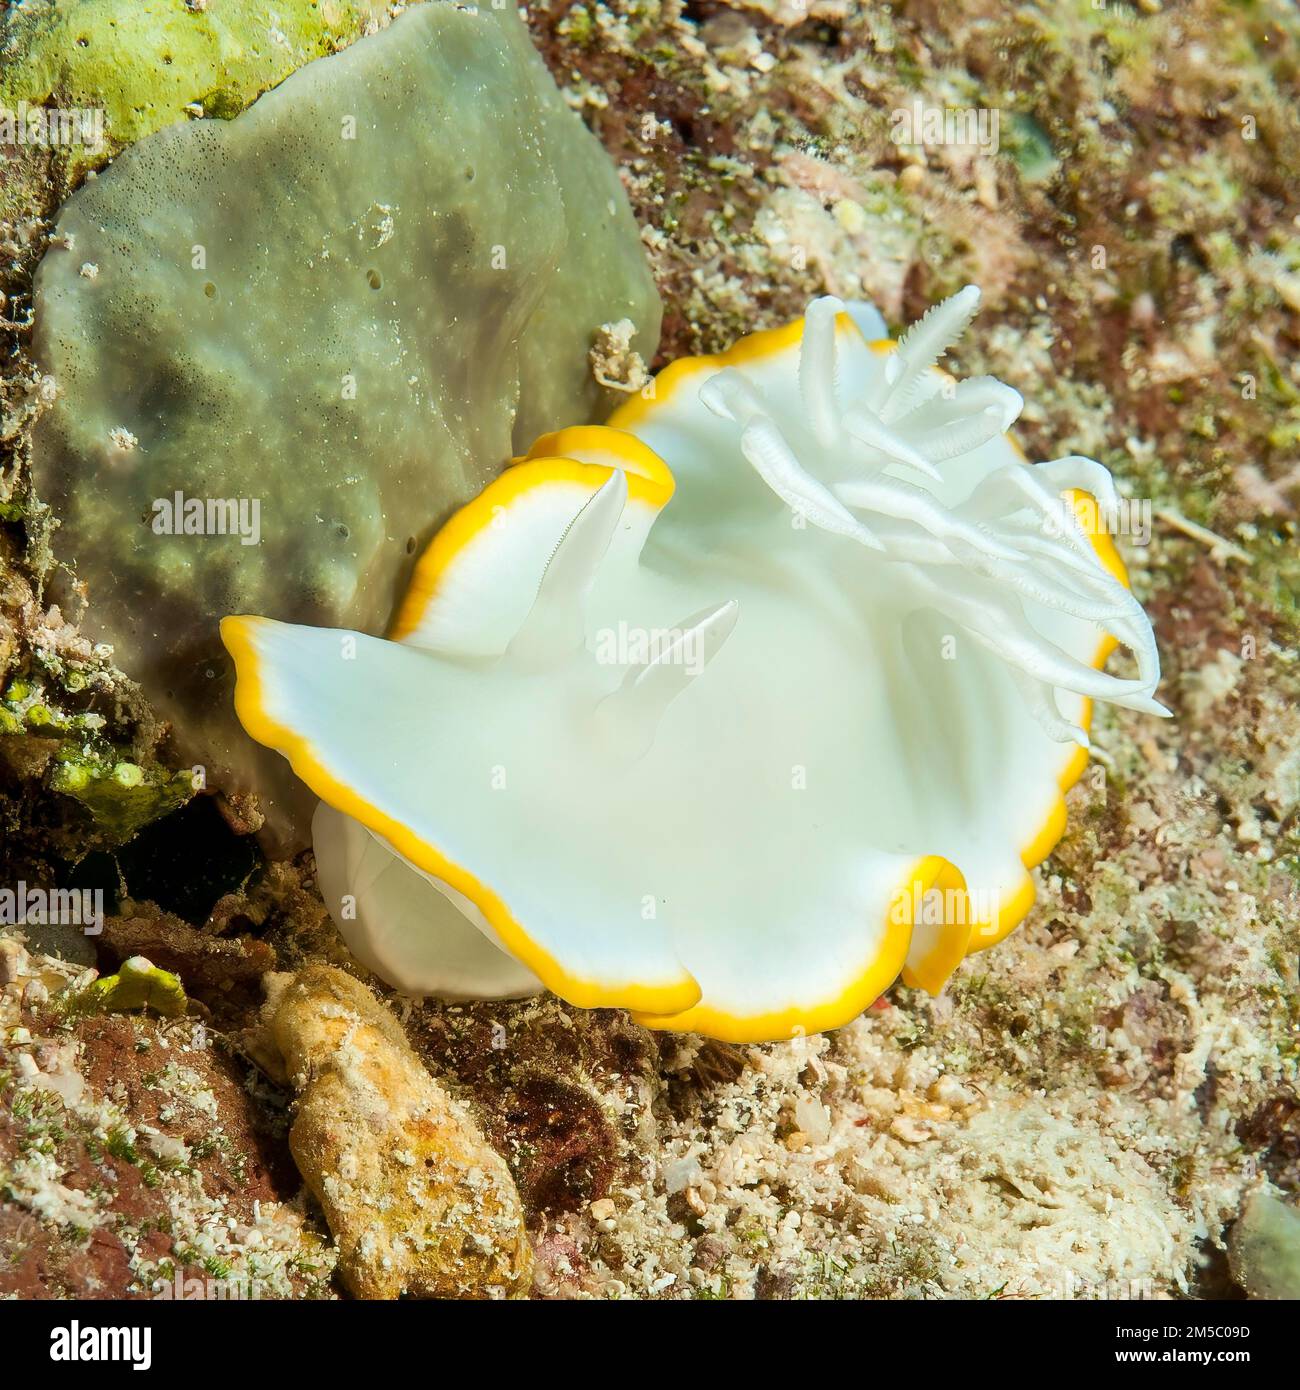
122 797
66 750
138 984
140 65
80 80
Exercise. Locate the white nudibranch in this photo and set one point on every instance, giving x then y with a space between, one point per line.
725 712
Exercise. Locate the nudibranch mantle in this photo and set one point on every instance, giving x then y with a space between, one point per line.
727 711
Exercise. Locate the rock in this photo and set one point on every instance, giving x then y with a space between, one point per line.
1264 1249
541 1074
202 960
417 1201
62 939
12 960
132 1154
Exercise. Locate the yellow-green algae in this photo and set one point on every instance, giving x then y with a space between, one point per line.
120 794
138 984
148 63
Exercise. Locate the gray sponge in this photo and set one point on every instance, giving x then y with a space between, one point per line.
343 304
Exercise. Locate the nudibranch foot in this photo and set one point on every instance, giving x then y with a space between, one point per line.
378 896
748 821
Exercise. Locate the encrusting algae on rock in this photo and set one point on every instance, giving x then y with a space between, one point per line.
134 1156
113 71
418 1202
138 984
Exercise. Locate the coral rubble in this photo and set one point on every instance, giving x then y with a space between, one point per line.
418 1202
